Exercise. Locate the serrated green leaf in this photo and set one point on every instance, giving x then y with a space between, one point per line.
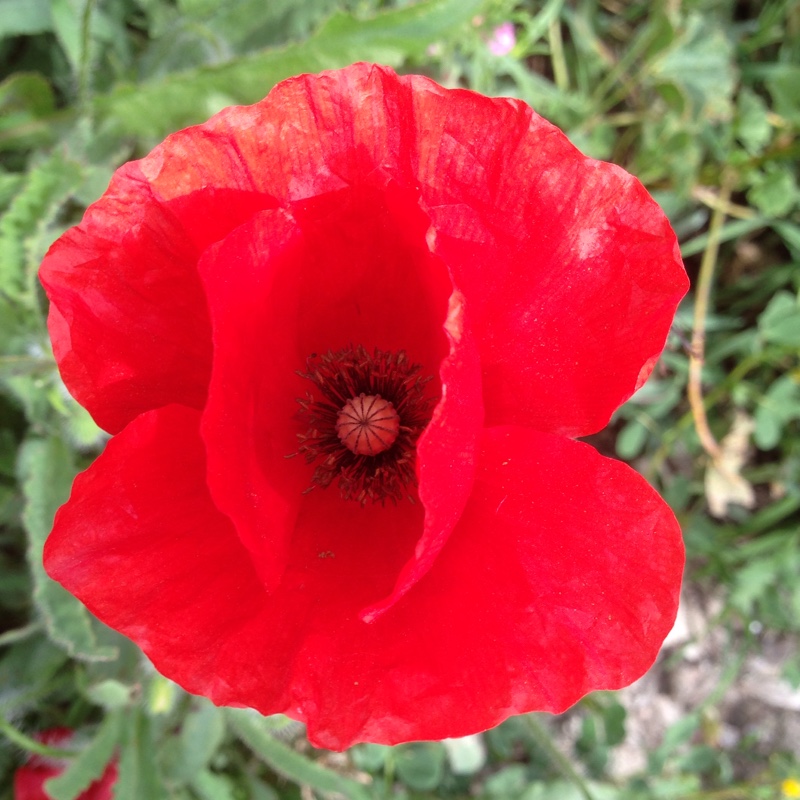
47 186
138 771
10 184
254 730
78 26
26 671
67 16
752 125
251 24
46 470
159 107
752 580
700 65
774 192
779 323
783 84
779 406
90 763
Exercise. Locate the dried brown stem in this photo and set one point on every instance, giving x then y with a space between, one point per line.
701 307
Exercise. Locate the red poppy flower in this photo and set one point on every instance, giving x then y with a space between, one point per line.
426 295
30 778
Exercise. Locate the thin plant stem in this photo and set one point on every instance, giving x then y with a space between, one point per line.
711 199
84 89
31 745
559 760
670 436
701 308
560 71
619 72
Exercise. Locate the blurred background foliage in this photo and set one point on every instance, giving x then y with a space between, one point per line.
701 100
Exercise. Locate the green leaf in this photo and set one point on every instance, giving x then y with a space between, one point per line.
47 186
67 16
201 735
110 694
700 65
507 782
45 472
753 580
90 763
677 734
138 771
370 757
779 323
24 17
27 106
614 722
213 787
779 406
783 83
631 440
752 126
561 790
70 18
774 192
250 24
10 184
159 107
26 672
258 790
256 732
791 235
420 765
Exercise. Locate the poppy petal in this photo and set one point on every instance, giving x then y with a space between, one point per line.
536 235
247 421
571 269
282 288
562 577
446 454
529 606
123 284
140 519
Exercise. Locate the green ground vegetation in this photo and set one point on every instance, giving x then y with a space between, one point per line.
699 98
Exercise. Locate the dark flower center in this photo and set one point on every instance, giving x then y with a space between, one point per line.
364 420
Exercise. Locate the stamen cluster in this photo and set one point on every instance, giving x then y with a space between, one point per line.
342 380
